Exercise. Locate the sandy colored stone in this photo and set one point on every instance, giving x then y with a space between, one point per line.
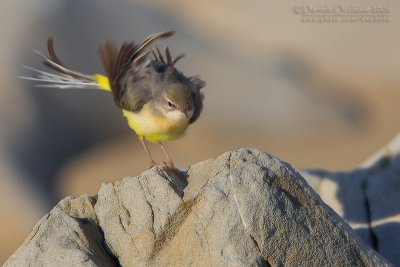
244 208
67 236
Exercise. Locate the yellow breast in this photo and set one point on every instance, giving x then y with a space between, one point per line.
155 128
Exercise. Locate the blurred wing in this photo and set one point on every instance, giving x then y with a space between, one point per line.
197 97
127 73
135 89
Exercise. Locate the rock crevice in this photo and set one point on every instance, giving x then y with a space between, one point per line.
367 198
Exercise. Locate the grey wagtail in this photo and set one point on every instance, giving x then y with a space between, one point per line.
157 100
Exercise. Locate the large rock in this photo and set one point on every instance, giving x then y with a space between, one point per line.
245 208
367 198
68 235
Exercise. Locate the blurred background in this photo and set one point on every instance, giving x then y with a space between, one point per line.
317 95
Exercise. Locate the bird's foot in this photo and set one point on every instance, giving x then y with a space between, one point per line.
169 165
152 164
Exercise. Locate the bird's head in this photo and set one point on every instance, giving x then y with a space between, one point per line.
176 102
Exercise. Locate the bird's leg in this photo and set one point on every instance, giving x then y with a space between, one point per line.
169 163
152 162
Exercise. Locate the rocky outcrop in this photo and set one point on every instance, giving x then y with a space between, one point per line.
69 235
367 198
244 208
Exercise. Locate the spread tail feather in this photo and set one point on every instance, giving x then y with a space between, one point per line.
64 77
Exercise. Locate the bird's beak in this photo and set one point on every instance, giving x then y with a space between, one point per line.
184 111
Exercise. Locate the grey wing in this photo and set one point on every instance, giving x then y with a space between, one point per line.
197 96
136 91
198 105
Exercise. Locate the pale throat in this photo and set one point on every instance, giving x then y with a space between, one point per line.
178 116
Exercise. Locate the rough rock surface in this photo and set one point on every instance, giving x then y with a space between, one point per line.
68 235
367 198
244 208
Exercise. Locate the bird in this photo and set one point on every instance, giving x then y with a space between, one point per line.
157 100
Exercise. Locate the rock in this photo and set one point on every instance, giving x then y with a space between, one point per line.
67 236
367 198
382 192
344 193
244 208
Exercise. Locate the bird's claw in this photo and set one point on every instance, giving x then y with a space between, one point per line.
152 164
171 167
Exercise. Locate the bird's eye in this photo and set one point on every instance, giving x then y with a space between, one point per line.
170 104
